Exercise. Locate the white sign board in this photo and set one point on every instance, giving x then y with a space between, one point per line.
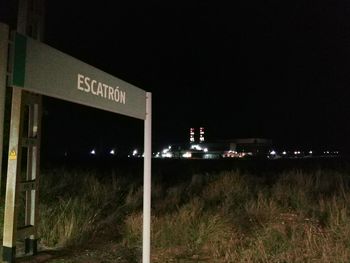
42 69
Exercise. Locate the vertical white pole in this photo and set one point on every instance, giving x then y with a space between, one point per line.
146 245
4 39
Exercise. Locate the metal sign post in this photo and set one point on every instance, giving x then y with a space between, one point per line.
4 37
24 143
41 69
37 69
26 140
146 247
13 173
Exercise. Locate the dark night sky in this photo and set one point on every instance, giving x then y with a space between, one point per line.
275 69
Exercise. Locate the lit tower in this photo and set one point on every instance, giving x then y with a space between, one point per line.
191 135
201 134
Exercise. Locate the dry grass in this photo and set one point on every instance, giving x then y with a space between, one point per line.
296 216
300 217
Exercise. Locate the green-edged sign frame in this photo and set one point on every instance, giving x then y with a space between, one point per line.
42 69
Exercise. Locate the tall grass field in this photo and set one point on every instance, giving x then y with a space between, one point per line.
201 212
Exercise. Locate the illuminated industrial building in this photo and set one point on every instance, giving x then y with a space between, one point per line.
251 146
199 148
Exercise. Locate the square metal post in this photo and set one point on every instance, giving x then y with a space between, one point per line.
146 247
4 42
13 174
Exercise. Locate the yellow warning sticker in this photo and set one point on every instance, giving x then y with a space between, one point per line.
13 155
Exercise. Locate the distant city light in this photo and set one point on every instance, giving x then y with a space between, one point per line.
187 155
134 153
310 152
165 150
205 150
112 152
167 155
93 152
196 147
284 152
273 152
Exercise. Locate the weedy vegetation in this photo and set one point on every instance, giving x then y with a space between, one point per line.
234 215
